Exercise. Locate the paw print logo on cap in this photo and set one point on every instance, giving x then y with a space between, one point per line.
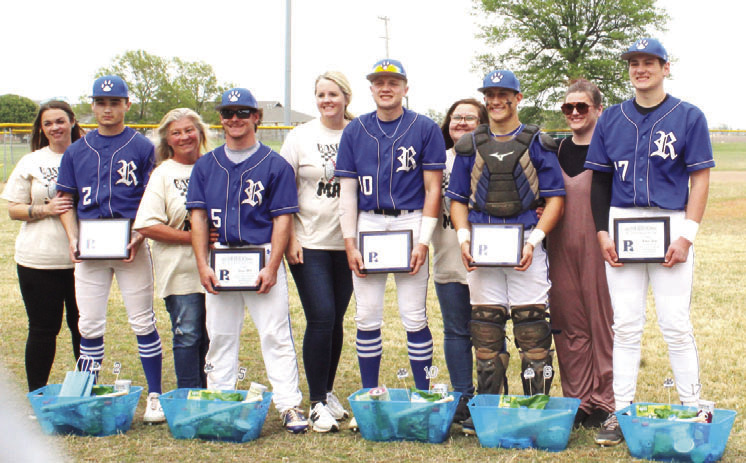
107 85
234 96
496 77
642 44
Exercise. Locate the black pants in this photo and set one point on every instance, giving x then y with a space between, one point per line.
45 293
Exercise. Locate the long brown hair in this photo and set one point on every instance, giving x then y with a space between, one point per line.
38 139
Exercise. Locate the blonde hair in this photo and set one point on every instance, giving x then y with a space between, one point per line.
343 84
163 151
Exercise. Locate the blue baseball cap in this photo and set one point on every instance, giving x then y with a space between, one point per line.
238 97
647 46
110 86
500 78
387 67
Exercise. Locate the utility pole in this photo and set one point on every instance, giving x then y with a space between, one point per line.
385 37
286 115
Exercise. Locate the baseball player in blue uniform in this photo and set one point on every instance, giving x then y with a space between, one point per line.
107 170
246 192
390 163
501 171
645 153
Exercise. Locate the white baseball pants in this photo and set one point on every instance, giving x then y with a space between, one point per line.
672 289
271 316
93 284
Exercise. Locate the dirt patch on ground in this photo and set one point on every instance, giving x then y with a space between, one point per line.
727 176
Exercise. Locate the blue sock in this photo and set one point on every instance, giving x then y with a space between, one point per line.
92 348
369 351
420 349
151 358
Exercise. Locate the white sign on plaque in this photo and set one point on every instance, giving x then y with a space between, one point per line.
642 240
237 269
386 251
104 238
496 245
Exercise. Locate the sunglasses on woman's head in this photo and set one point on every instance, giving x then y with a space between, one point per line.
581 107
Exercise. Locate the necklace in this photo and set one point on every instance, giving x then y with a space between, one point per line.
509 134
401 118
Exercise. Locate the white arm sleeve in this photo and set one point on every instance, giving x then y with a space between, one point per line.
348 207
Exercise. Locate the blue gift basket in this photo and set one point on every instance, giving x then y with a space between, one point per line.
399 419
83 416
214 419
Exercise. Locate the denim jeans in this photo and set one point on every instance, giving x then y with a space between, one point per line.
324 283
187 313
456 310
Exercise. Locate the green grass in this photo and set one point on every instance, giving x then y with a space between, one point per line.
729 155
718 313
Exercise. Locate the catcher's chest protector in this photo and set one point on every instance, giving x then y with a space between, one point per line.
504 181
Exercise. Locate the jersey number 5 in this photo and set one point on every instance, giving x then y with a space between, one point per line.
215 217
622 165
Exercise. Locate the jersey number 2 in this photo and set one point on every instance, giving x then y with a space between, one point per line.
86 195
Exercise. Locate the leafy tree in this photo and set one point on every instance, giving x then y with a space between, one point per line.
159 84
548 42
17 109
145 75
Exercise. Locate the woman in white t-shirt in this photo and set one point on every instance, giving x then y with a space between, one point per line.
462 118
162 217
316 250
45 272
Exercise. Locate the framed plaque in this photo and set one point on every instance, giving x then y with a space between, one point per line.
496 244
642 240
386 251
237 269
103 238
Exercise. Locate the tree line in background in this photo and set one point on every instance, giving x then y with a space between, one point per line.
545 42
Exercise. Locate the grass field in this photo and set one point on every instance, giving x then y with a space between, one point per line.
718 313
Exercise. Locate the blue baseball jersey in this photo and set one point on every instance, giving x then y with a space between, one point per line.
389 170
109 174
651 155
241 199
547 169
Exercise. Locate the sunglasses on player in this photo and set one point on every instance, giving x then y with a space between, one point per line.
581 107
241 113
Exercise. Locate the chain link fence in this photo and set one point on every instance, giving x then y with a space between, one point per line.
16 140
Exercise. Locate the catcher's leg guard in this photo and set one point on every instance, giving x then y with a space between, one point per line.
488 337
533 337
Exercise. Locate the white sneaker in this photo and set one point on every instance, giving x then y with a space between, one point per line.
153 411
335 407
321 419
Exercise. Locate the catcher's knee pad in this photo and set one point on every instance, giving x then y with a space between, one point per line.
533 337
487 328
488 337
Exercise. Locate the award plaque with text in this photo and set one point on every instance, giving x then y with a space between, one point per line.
386 251
496 244
103 238
642 240
237 269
